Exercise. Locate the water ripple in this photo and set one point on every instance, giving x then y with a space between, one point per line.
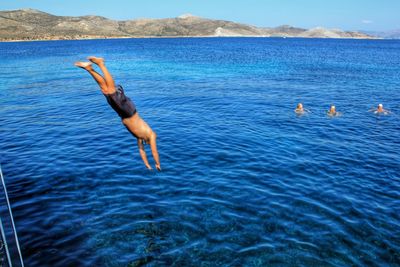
245 182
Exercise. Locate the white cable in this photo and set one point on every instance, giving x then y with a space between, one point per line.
12 218
3 236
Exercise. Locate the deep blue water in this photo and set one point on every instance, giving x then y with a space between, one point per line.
245 181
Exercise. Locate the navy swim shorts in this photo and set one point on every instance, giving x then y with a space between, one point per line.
122 104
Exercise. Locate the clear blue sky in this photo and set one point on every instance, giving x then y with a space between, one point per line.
344 14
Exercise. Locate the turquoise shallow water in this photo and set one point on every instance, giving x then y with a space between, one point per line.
245 182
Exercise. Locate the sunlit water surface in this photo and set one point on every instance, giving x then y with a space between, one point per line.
245 181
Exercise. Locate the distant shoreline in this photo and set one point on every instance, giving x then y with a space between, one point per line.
182 37
34 25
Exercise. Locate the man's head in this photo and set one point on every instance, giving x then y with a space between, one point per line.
300 106
333 109
380 107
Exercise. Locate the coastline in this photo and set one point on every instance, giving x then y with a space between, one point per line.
180 36
35 25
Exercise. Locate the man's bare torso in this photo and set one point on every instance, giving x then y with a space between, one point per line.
138 127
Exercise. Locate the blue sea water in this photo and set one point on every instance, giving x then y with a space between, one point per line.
245 181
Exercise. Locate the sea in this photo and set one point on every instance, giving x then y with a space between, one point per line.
244 181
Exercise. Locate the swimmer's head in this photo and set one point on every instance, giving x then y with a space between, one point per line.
380 107
299 106
333 109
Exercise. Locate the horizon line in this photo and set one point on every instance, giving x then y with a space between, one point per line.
210 18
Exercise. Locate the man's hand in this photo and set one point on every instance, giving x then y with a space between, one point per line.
154 151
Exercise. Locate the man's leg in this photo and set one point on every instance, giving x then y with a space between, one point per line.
107 76
97 77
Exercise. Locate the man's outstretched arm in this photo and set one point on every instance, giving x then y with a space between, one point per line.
154 151
143 153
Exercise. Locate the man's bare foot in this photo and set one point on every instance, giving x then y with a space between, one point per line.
84 65
96 60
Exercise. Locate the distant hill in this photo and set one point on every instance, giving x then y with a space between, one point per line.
393 34
30 24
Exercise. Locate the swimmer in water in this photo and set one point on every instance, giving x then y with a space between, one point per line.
332 112
300 110
125 108
380 110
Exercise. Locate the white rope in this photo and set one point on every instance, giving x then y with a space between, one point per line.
12 218
4 244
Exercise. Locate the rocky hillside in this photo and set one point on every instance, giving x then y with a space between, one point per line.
30 24
393 34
